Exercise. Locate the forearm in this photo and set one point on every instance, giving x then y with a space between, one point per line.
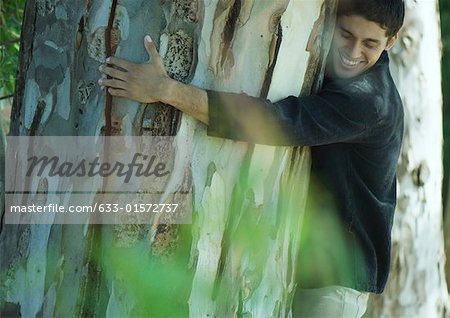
149 83
188 99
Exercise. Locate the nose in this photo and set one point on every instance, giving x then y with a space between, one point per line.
354 50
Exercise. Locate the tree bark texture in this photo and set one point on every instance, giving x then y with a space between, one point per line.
238 257
417 285
447 238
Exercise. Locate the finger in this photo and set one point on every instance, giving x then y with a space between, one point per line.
113 72
113 83
118 92
150 47
119 62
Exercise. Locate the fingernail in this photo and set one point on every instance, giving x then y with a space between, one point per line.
108 59
148 38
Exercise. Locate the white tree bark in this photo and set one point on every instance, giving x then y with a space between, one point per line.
447 238
220 44
267 287
417 285
447 249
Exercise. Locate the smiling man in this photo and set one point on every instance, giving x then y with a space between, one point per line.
354 126
357 46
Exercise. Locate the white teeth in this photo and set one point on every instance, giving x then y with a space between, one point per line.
349 62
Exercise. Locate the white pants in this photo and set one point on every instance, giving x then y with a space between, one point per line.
329 302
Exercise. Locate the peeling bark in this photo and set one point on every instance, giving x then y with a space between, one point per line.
447 240
70 270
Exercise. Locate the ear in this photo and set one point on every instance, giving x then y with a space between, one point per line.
391 42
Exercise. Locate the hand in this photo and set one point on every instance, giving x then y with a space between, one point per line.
145 83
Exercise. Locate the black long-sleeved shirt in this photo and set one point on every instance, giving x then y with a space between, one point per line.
354 127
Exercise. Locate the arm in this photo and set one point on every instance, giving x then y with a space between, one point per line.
332 116
335 115
149 83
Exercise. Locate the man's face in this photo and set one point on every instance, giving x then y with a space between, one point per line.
357 45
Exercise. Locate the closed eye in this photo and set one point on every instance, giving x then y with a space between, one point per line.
371 45
346 35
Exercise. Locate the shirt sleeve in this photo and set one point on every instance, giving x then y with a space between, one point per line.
332 116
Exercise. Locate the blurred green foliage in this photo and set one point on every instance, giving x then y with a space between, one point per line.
158 286
445 27
11 13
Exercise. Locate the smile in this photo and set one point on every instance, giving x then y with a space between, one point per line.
347 62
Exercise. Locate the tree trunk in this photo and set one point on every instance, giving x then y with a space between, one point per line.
447 237
238 257
417 285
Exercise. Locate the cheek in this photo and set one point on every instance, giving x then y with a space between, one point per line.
338 42
373 56
336 46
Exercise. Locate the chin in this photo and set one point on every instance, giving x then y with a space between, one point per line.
341 72
337 71
347 74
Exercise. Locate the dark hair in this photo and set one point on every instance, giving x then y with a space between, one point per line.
389 14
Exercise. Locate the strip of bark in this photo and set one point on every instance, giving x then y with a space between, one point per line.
92 285
25 55
108 52
317 60
278 38
230 28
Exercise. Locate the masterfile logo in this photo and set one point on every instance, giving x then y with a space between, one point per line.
82 179
97 168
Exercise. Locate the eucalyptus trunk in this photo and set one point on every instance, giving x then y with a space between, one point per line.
238 256
447 236
417 285
447 241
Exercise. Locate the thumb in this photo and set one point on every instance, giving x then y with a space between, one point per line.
150 47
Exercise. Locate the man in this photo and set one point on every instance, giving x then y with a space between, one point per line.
354 126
